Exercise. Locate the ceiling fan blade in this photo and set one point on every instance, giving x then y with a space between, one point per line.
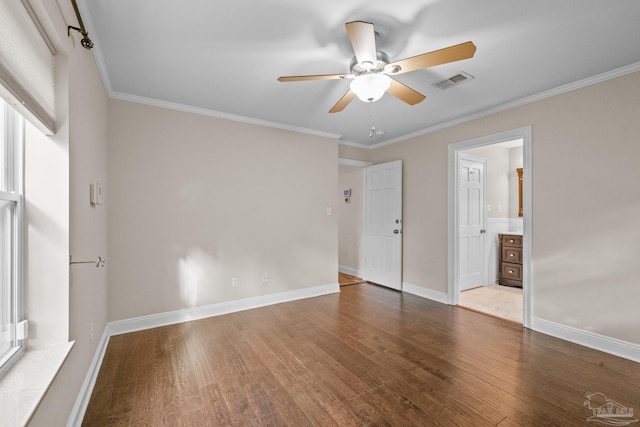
363 40
315 77
405 93
437 57
344 101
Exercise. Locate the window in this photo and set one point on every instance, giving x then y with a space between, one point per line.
11 234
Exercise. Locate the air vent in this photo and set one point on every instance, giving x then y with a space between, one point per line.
453 80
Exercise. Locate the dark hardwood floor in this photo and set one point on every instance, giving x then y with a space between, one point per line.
368 356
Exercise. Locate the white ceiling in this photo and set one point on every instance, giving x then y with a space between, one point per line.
224 57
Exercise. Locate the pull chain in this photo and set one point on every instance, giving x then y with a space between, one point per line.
372 133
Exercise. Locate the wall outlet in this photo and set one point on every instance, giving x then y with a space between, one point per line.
265 277
235 282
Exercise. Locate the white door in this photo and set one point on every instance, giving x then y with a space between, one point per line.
383 225
471 221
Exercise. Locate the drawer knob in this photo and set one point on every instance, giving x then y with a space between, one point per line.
511 240
510 254
510 271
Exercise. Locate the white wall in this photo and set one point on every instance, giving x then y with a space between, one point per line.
195 201
47 237
586 201
64 302
350 221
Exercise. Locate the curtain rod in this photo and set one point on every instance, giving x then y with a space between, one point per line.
86 41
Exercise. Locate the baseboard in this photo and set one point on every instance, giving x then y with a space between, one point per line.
82 401
592 340
179 316
186 315
350 271
437 296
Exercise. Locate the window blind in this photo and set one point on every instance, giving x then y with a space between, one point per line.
27 64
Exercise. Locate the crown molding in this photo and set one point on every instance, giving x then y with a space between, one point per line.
353 163
354 144
219 115
609 75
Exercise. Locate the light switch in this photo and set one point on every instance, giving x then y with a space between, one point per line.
328 211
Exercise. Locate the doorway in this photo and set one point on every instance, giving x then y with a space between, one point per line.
350 211
497 216
370 222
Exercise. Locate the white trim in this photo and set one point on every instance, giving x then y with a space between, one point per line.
599 342
354 144
84 394
186 315
506 222
25 385
354 163
609 75
437 296
453 151
179 316
350 271
220 115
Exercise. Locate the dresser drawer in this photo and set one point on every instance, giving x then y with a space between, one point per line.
512 254
511 240
511 271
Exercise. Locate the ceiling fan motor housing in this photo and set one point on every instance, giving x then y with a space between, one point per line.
359 69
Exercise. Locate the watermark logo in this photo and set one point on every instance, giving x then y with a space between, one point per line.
607 411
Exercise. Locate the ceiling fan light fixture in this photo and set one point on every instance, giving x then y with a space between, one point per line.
370 87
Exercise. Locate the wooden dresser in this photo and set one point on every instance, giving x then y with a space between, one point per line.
510 267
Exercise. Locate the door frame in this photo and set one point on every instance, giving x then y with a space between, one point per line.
453 250
483 161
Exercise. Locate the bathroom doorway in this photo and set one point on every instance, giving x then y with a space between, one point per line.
502 213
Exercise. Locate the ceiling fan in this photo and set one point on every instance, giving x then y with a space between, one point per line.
371 69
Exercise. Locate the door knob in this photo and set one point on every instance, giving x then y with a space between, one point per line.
396 231
483 231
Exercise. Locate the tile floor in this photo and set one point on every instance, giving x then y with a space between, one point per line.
497 300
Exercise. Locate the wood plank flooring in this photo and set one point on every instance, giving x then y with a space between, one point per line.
368 356
345 279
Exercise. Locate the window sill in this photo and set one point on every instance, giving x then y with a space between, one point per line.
22 388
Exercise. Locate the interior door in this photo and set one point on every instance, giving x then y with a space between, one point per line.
471 222
383 224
